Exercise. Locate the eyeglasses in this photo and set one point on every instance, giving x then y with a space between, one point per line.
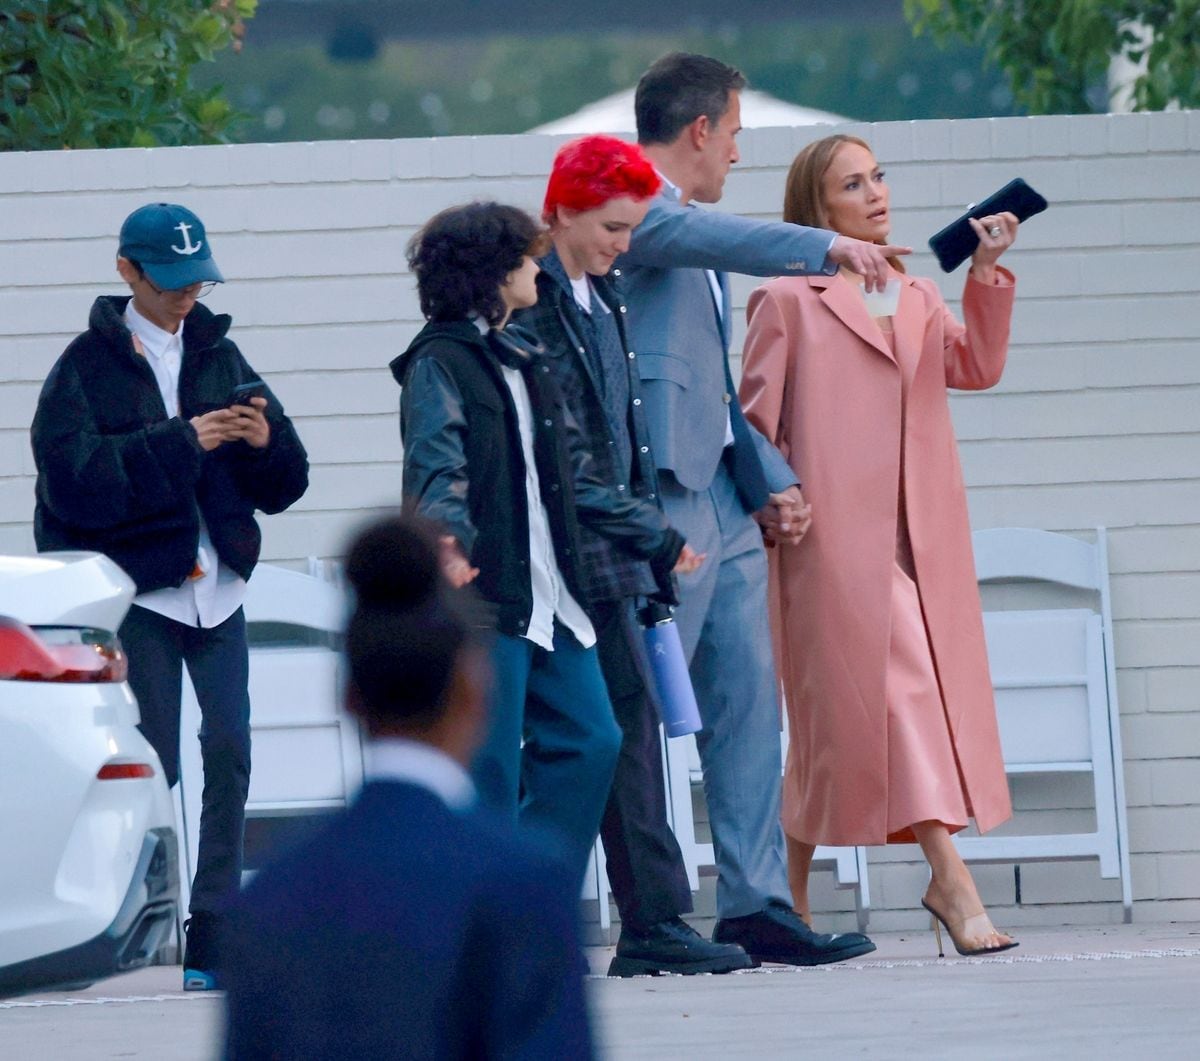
196 290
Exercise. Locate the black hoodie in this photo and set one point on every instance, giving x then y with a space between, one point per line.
464 468
118 476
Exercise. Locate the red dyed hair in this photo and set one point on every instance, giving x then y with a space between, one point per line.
590 171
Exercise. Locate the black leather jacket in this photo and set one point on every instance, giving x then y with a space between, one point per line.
464 468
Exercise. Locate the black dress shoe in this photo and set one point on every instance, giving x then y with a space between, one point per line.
673 946
778 934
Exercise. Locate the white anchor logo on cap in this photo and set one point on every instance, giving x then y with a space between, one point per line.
188 246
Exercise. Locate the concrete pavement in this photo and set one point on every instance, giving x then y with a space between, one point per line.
1128 991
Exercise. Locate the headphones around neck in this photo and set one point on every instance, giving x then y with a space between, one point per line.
515 344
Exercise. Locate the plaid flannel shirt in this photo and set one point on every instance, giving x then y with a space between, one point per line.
609 573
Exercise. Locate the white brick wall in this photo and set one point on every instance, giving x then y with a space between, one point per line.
1095 422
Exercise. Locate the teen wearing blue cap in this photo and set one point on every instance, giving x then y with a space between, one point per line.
148 451
169 243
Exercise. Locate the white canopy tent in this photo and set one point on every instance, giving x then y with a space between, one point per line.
614 114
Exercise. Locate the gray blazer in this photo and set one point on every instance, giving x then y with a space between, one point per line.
681 345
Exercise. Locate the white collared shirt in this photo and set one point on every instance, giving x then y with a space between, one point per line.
210 599
551 598
718 295
400 759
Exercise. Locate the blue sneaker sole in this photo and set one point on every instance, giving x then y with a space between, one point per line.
195 980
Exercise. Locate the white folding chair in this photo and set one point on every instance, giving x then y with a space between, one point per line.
1056 694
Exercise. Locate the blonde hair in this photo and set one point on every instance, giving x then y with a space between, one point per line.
803 196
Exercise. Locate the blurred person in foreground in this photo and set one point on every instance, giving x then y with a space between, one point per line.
720 480
146 452
495 457
598 192
892 720
414 924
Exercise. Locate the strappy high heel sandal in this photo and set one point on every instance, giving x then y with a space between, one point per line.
962 928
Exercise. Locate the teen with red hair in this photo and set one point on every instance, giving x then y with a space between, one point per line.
598 192
592 170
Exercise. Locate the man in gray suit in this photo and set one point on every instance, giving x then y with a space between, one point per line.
722 483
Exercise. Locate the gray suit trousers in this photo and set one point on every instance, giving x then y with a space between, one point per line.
725 630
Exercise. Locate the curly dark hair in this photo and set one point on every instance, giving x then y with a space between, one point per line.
462 256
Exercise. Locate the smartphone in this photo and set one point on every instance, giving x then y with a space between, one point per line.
954 244
243 392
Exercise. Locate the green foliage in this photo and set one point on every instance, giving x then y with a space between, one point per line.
1056 55
102 73
509 83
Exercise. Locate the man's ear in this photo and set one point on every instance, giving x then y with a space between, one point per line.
127 270
563 216
698 132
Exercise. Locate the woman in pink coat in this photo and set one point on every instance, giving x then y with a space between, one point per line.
890 709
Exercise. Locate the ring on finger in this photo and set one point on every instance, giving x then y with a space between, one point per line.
994 231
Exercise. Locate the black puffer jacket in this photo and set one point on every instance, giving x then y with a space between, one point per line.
118 476
464 468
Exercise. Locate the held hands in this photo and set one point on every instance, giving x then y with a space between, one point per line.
245 422
785 518
689 561
868 260
996 234
456 569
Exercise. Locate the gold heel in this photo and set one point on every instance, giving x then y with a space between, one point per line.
937 932
964 933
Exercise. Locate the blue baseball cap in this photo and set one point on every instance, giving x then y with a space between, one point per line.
169 242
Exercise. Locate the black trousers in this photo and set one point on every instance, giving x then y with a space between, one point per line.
645 866
218 662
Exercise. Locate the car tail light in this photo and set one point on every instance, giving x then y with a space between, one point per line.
59 654
124 771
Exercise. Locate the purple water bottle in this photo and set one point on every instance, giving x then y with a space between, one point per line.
676 698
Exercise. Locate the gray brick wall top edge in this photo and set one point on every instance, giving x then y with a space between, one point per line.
1042 129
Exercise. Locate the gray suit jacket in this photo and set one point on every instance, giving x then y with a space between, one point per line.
681 344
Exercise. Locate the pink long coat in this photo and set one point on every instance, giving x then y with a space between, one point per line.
819 379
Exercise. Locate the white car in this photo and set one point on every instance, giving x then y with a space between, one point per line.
89 878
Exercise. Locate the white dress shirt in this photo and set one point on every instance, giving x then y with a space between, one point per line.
551 598
212 597
400 759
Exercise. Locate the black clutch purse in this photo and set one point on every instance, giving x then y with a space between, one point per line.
954 244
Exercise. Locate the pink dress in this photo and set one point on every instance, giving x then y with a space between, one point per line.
924 781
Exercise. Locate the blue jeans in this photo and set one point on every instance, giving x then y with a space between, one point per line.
555 702
218 662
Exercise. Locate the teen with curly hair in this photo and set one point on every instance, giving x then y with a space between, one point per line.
491 454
